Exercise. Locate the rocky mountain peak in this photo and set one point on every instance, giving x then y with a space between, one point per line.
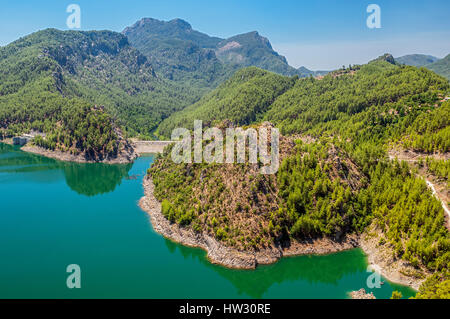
180 23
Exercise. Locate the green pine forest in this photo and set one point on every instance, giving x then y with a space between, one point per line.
89 91
46 70
341 183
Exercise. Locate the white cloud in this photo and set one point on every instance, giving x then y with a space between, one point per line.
332 55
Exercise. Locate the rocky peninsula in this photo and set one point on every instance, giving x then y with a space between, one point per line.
127 155
379 258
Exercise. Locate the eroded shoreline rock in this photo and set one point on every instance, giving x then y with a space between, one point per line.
395 270
229 257
217 253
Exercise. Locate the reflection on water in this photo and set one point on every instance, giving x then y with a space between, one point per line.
86 179
327 269
121 257
94 179
310 269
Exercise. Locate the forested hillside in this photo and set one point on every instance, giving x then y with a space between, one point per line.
430 132
340 181
441 67
365 109
178 52
252 49
99 67
243 99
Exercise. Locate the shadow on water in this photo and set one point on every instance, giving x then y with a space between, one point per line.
337 273
85 179
312 269
95 179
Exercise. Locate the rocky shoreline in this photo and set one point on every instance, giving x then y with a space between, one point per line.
8 141
379 258
218 253
123 158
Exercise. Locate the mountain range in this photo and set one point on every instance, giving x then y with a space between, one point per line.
253 95
439 66
88 91
143 76
183 54
98 67
336 176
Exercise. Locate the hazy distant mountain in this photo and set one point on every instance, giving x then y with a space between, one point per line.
306 72
416 59
189 56
441 67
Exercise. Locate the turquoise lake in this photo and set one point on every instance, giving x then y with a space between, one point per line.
54 214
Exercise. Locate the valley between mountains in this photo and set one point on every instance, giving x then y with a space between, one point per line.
363 149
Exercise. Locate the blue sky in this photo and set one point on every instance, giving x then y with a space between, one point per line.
322 34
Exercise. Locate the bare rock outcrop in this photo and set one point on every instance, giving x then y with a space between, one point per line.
230 257
361 294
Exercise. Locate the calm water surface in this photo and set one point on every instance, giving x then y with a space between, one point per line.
53 214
